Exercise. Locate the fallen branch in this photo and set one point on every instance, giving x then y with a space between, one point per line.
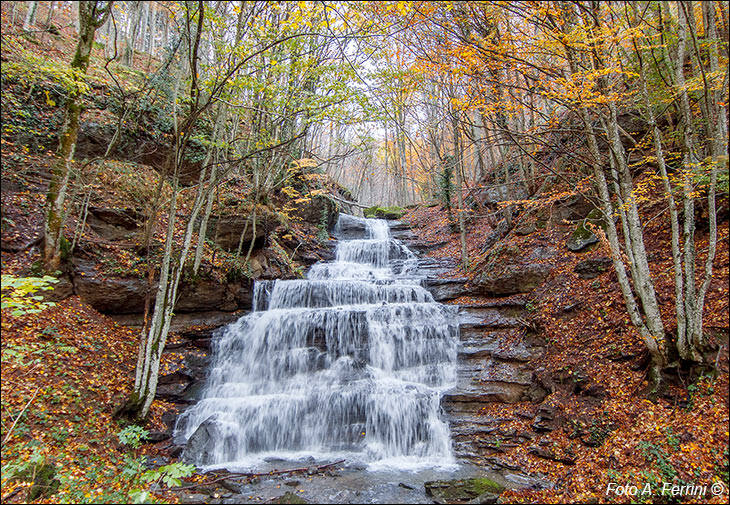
263 474
347 202
19 416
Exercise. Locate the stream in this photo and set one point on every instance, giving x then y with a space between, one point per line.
348 364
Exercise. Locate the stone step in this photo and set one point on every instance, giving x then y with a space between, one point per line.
471 398
494 342
446 289
487 317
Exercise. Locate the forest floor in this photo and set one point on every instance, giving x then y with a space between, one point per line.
623 436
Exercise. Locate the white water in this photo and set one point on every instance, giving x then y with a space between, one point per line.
349 363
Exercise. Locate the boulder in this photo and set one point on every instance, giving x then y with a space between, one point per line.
464 490
580 239
572 208
109 295
113 223
205 295
514 279
226 231
61 290
582 236
593 267
200 444
502 193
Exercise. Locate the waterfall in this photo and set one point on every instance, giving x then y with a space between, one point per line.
348 363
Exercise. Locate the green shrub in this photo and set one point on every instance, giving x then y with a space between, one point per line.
18 293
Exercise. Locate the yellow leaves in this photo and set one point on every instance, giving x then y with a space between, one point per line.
290 192
49 100
304 163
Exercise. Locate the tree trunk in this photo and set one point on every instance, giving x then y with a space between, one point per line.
91 17
30 16
673 212
459 170
132 32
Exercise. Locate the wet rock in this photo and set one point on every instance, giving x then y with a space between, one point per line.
125 296
169 418
200 444
514 279
590 268
405 486
463 490
447 289
174 393
292 483
194 498
349 227
205 295
233 486
157 436
485 498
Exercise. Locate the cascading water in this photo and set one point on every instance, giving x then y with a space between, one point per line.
349 363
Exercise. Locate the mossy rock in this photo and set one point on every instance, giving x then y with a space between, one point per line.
582 236
384 212
463 490
44 482
290 497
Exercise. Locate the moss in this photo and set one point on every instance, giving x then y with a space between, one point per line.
290 497
582 236
483 485
392 212
45 482
462 490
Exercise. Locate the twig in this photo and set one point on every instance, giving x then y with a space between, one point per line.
19 416
717 359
